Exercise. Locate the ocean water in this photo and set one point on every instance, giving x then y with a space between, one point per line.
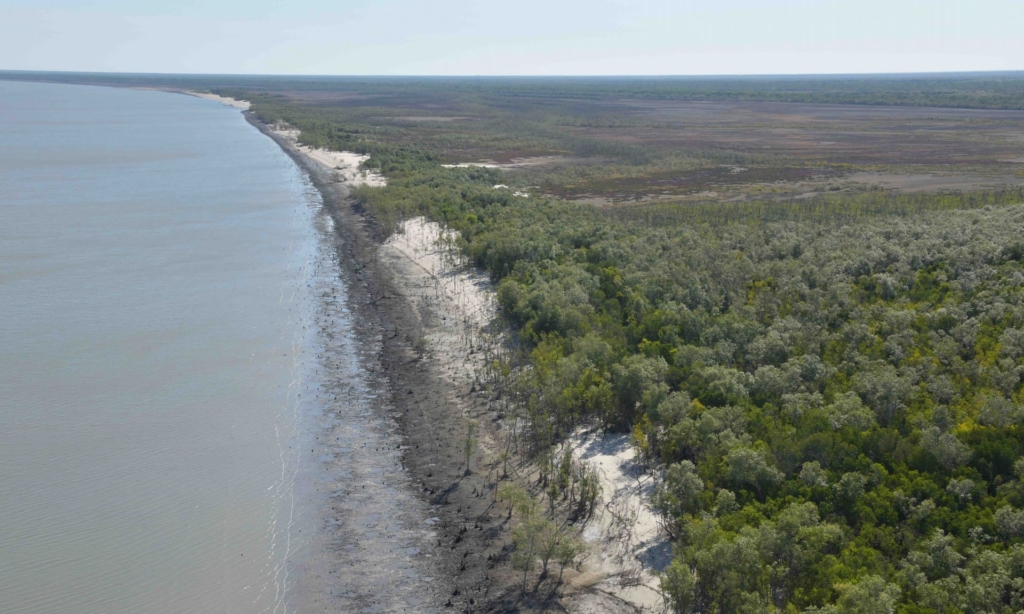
158 258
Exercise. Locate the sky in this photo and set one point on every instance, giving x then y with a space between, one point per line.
514 37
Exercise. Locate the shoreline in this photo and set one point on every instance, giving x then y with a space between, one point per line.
425 319
243 105
430 407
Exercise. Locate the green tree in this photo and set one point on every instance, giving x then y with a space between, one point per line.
749 467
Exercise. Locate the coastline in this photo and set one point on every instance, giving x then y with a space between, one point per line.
430 399
231 102
384 323
425 317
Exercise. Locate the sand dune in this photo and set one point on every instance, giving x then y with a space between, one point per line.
345 163
231 102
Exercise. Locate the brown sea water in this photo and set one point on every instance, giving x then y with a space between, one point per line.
156 258
192 416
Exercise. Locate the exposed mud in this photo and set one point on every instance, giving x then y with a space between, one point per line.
451 533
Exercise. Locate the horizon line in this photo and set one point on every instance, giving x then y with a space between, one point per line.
1017 72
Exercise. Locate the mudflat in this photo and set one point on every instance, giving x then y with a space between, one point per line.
428 393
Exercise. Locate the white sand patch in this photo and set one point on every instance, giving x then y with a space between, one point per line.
629 544
471 164
231 102
466 293
455 305
344 163
502 186
513 164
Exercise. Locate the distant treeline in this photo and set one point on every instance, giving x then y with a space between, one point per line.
969 91
956 90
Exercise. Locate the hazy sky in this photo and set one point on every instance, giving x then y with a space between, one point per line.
513 37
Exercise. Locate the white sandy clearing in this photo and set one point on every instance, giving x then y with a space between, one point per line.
430 247
456 305
455 302
502 186
231 102
515 163
472 164
345 163
628 543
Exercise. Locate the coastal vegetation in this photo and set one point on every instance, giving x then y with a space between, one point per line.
815 342
828 388
857 386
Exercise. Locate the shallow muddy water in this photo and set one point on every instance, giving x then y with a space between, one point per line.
186 421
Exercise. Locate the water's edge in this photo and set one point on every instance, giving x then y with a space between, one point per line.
378 546
423 411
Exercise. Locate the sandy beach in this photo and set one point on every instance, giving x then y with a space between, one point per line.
231 102
344 164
